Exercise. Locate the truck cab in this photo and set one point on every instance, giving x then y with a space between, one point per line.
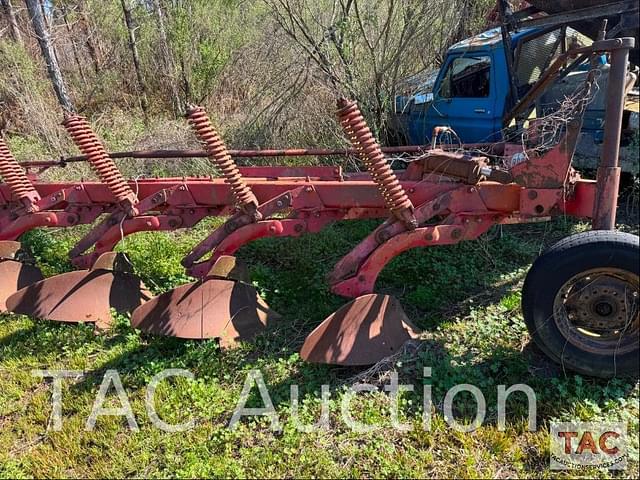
471 95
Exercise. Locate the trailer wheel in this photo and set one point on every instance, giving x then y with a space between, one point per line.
581 303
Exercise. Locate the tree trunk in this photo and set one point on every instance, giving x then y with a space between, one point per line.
167 59
13 22
461 31
91 46
133 46
48 53
48 28
74 48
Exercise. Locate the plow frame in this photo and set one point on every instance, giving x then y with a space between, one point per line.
447 210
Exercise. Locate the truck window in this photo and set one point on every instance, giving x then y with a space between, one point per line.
535 55
467 77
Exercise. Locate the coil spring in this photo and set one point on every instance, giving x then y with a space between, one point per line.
217 151
356 128
14 176
89 144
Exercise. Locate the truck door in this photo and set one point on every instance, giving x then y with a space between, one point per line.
464 99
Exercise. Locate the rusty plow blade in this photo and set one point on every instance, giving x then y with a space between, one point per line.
83 296
222 305
15 273
362 332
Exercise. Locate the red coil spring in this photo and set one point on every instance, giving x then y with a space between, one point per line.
217 151
89 144
356 128
15 178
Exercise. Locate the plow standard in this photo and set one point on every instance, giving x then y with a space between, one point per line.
580 299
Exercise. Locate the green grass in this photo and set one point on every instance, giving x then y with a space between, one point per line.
466 298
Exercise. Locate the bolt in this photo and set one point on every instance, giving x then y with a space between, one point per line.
308 189
479 219
456 233
272 229
429 237
532 194
472 189
279 203
298 227
78 187
412 190
53 198
182 188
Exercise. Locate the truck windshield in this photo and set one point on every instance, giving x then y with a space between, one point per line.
467 77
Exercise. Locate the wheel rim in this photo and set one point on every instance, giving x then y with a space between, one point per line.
598 311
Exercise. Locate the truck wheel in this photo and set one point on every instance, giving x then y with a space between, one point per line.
581 304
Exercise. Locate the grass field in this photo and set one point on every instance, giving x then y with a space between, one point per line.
465 297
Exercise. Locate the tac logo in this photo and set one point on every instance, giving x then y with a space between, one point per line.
577 445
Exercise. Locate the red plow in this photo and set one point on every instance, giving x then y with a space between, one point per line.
581 306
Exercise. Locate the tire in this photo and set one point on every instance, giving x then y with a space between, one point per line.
581 303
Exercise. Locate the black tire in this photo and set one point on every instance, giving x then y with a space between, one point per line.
588 277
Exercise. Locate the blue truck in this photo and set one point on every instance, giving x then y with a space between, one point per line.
471 92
